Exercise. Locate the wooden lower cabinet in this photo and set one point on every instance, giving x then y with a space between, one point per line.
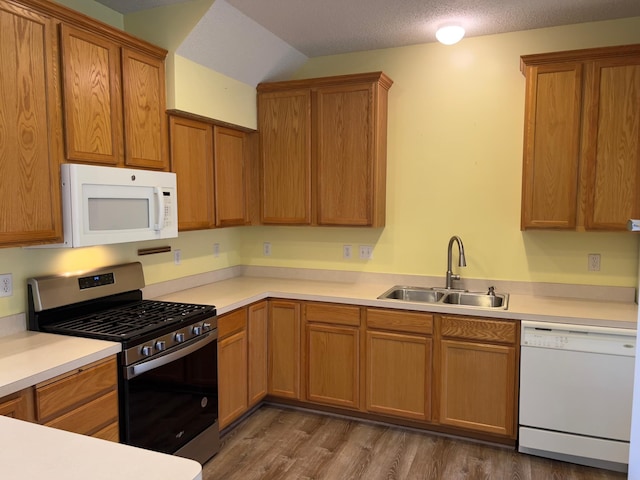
82 401
18 405
284 348
257 352
399 363
242 361
232 366
232 377
477 388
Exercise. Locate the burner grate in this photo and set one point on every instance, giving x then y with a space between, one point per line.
130 320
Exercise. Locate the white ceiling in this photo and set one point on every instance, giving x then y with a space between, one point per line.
327 27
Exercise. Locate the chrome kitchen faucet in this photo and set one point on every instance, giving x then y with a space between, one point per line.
461 262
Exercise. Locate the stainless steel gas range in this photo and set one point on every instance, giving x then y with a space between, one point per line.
168 387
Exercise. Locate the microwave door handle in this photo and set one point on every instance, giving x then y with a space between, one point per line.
160 217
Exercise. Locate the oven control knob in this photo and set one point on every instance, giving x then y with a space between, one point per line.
197 330
146 350
179 337
161 345
206 327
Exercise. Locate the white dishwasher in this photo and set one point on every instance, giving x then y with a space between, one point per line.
576 388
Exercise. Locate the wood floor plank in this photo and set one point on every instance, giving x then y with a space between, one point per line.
277 443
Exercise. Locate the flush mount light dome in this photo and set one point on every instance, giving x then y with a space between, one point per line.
450 34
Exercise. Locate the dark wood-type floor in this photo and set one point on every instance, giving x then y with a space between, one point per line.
280 443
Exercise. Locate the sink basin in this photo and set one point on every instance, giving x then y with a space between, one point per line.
444 297
476 299
413 294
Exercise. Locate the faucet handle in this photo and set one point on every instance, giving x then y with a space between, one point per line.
492 291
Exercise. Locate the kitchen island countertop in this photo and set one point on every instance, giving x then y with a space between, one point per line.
29 451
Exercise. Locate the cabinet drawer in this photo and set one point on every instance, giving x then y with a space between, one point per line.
400 321
233 322
500 331
63 394
111 432
90 417
332 313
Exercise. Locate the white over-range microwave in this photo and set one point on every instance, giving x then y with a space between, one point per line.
105 205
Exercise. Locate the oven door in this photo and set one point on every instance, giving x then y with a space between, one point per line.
172 400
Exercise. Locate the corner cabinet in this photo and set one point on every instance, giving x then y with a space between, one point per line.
323 150
213 167
284 348
581 163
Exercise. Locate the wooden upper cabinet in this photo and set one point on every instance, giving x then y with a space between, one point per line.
145 129
230 176
323 150
612 143
192 160
284 123
92 103
581 167
350 161
552 146
30 210
113 99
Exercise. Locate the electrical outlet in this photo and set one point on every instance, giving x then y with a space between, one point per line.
266 249
6 285
177 257
216 250
593 260
346 252
366 252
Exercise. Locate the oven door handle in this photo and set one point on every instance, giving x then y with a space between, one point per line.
142 367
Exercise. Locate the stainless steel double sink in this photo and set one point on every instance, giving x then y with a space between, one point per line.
490 300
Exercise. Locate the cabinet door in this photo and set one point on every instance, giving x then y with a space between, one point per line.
192 161
399 375
284 122
257 355
232 377
230 177
612 137
478 387
551 146
344 143
145 123
284 349
30 209
333 366
18 405
92 97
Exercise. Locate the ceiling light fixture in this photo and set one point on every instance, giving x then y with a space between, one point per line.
450 34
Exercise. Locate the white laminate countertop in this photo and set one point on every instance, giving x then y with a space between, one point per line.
29 451
234 293
27 358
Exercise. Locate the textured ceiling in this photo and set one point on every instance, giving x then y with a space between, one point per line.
327 27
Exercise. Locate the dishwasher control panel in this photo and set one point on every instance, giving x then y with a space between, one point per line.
579 338
536 339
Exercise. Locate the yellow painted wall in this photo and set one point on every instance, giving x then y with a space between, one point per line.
196 250
454 167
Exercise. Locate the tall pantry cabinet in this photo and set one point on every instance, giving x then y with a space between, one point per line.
327 138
